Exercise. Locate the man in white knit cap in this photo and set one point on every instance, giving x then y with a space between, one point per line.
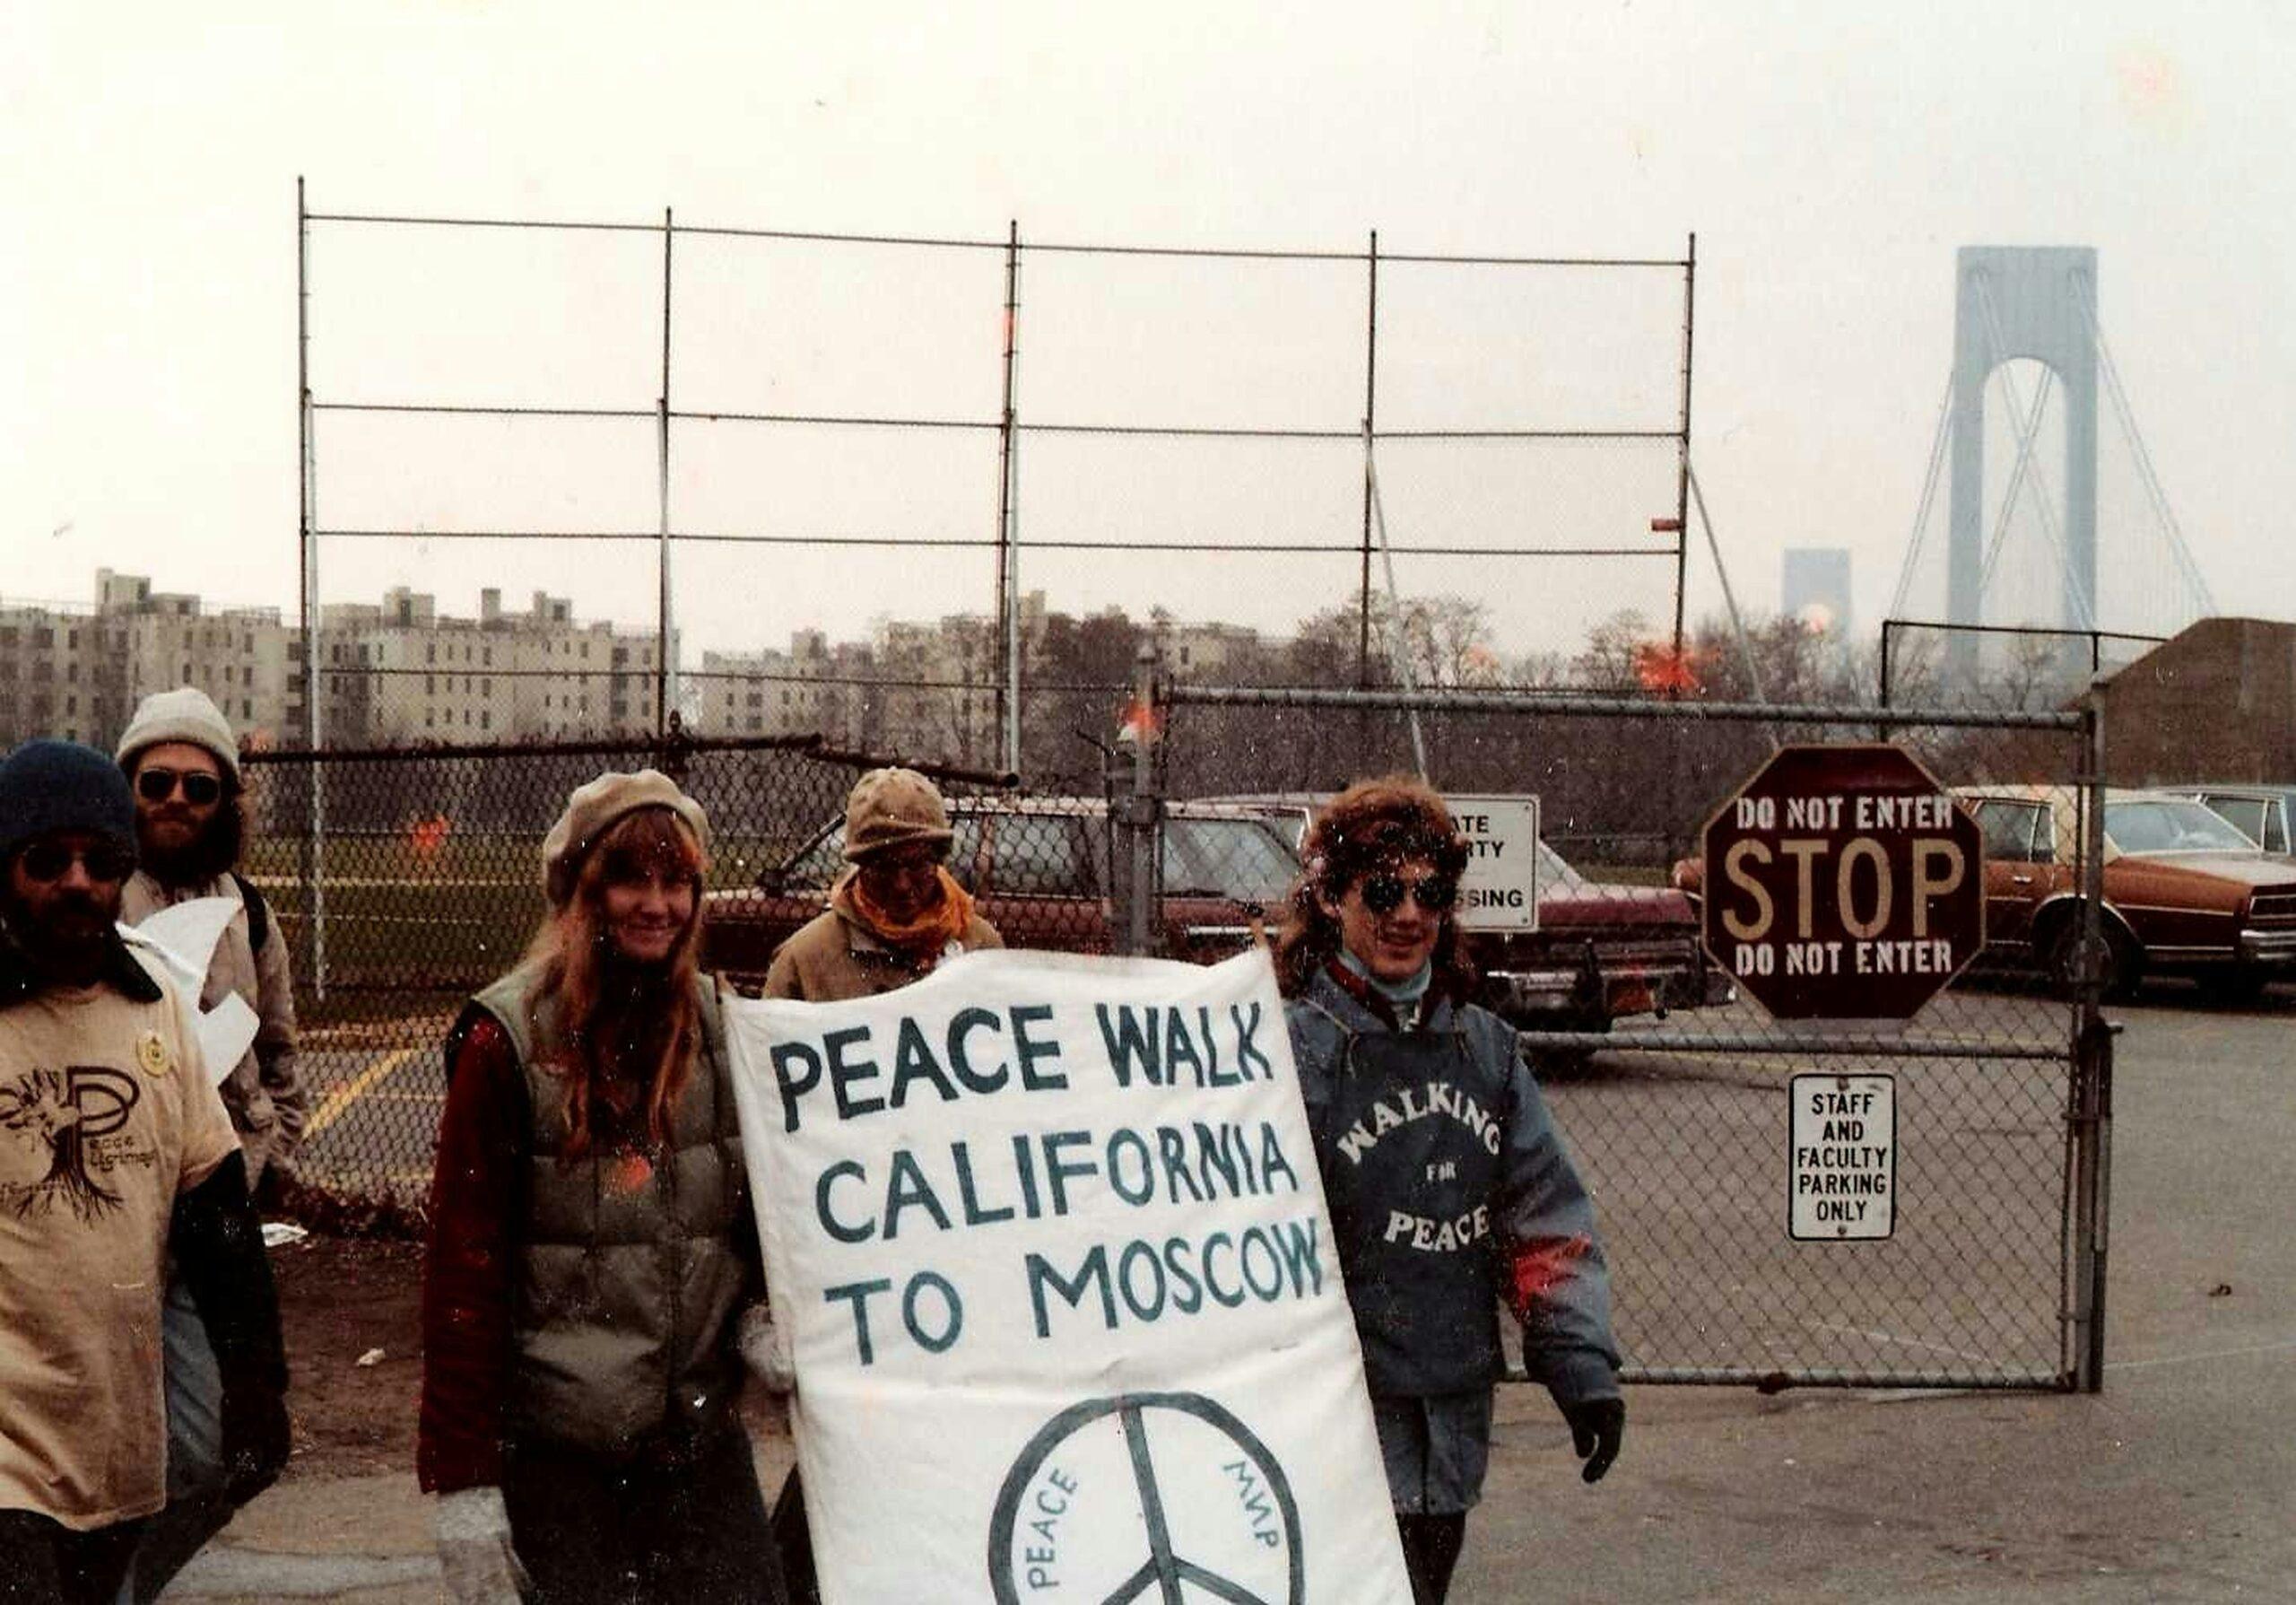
180 756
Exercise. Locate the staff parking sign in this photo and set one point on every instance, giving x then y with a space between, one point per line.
1845 1161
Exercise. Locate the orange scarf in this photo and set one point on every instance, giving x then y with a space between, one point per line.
924 937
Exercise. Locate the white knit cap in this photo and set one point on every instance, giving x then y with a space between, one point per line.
187 714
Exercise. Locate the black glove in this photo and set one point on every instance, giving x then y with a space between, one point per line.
255 1439
1597 1427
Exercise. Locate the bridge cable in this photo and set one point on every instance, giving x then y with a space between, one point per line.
2189 570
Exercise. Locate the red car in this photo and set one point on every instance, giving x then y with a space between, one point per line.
1602 951
1042 873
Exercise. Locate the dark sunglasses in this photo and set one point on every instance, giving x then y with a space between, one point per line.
1384 893
158 785
45 861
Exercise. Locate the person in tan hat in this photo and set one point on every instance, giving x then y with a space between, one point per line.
592 1244
897 913
893 917
183 762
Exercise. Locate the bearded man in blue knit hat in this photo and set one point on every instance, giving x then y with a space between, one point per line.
115 1150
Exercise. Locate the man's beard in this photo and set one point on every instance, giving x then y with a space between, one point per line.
70 942
203 859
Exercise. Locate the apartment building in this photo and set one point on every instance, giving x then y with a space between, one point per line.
1207 652
78 672
399 672
812 688
52 678
245 659
402 673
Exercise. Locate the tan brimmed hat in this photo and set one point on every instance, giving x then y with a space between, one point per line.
890 807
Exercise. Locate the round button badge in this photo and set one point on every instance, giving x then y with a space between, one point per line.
151 1052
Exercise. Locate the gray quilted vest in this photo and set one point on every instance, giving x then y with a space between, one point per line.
627 1282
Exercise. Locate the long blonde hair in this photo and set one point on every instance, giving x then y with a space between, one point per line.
611 1042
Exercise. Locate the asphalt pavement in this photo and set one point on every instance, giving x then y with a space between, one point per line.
2178 1482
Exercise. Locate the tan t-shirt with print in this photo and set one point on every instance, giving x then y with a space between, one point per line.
106 1114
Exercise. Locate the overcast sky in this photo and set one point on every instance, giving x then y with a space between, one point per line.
1828 157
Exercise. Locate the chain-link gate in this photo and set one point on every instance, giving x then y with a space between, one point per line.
1673 1091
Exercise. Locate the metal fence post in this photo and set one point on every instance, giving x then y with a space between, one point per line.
311 859
1008 607
1142 814
664 673
2092 1102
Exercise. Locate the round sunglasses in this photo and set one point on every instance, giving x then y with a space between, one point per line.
156 785
1434 893
48 861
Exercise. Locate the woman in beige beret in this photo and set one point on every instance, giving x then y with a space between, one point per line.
592 1244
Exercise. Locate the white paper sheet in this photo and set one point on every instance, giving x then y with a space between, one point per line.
183 937
190 931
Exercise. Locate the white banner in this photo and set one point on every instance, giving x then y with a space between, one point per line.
1060 1283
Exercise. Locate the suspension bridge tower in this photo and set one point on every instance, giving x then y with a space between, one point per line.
2015 301
2017 553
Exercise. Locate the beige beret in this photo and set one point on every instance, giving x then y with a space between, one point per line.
593 806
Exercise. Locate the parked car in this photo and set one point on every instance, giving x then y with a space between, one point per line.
2186 892
1602 951
1045 874
1042 871
2264 814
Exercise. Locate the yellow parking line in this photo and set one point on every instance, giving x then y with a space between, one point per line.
341 1098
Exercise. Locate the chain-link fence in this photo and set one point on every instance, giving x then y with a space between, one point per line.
1672 1086
1998 665
406 880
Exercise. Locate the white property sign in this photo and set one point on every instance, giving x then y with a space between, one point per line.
1049 1238
1501 889
1845 1140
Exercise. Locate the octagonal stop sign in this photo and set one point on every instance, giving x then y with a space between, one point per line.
1843 883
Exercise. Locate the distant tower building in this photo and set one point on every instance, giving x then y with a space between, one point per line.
1816 588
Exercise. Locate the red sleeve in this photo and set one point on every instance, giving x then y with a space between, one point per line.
466 1271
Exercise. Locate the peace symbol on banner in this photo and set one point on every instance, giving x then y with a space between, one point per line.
1166 1497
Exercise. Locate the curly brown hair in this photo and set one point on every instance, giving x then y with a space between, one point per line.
1372 825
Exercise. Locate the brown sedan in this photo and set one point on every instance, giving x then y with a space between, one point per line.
2186 894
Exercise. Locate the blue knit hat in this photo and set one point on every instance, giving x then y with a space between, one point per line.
47 787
